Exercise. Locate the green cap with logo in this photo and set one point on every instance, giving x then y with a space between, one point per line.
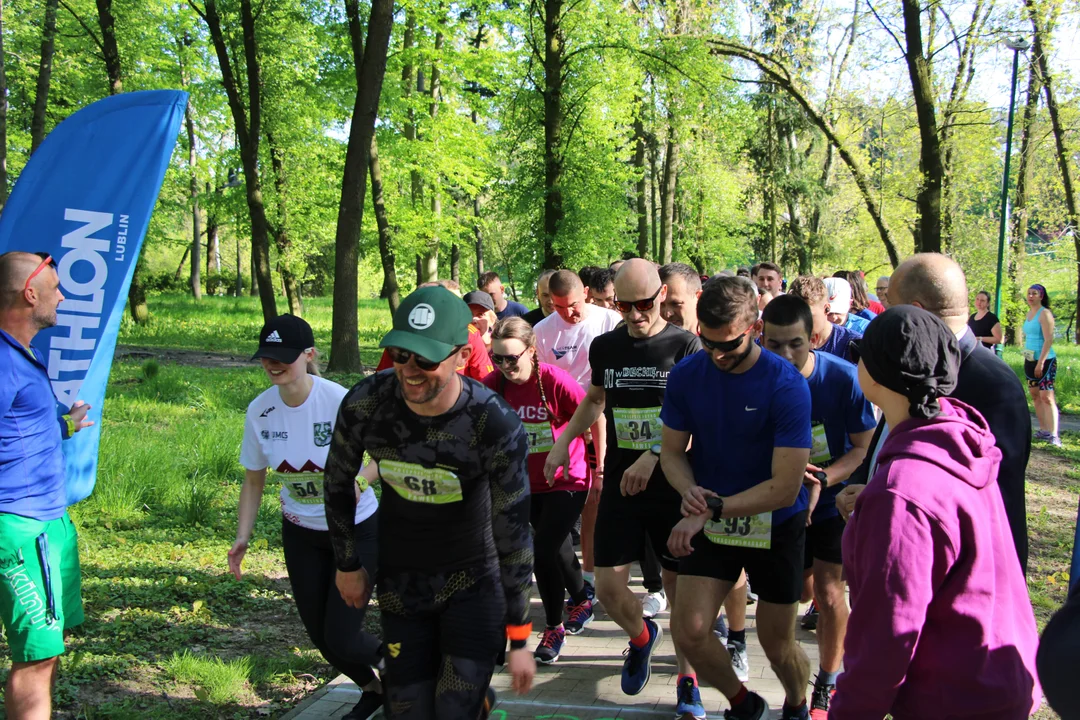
430 322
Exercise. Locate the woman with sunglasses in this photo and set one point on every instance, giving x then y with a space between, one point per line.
545 397
288 429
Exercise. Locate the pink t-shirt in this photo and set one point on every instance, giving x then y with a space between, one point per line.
563 396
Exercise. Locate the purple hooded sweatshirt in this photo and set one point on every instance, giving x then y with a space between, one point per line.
941 625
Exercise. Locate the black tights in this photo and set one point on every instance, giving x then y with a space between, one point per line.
336 629
557 569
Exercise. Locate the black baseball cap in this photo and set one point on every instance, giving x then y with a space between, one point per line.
284 338
481 298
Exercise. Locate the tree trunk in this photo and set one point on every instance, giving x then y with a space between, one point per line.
183 261
553 119
667 197
1064 155
455 263
196 229
639 167
478 234
419 269
654 206
239 289
408 70
253 291
1020 214
41 96
109 48
248 126
386 249
281 232
431 257
3 116
931 164
213 244
370 67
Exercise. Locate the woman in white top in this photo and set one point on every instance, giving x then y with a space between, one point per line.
288 429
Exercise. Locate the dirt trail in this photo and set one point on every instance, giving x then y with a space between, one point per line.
198 358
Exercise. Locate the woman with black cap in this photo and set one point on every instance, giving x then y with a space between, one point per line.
941 624
288 429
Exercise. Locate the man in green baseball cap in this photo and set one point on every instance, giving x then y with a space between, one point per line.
429 342
455 547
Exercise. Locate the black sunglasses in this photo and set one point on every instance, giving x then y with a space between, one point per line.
402 357
726 346
643 305
510 360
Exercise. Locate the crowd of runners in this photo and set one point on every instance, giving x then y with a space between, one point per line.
742 438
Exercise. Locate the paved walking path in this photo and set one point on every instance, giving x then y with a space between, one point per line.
584 683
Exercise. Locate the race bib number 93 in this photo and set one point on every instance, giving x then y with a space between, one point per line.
754 531
420 484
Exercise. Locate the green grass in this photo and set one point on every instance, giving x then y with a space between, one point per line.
1067 383
231 325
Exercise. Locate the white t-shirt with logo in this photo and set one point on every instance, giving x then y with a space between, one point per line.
567 346
292 442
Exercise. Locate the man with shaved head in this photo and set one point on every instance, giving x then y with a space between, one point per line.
40 585
936 283
630 366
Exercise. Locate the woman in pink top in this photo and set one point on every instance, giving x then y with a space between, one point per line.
545 397
941 625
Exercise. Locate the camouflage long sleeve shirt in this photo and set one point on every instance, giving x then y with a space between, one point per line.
455 487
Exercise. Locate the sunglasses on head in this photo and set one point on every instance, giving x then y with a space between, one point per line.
643 305
726 346
402 357
509 360
46 260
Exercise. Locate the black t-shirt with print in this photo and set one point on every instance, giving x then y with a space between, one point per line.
633 372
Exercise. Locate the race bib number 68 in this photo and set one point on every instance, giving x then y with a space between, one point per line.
420 484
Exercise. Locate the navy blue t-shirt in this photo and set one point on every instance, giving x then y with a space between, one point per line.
837 344
512 309
737 420
839 408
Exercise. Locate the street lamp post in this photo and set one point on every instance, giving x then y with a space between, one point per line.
1017 45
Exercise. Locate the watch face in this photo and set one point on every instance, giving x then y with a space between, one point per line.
655 449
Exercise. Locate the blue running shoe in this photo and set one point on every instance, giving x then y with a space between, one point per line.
688 701
800 713
551 644
637 668
580 616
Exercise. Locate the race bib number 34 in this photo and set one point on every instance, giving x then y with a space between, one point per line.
421 484
637 428
541 438
754 531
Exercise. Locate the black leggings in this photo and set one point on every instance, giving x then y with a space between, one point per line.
555 565
336 629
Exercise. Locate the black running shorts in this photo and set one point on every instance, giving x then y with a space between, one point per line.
625 524
823 541
777 572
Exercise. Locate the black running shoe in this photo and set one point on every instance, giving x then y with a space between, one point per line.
369 704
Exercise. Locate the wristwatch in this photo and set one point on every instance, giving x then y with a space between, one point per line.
821 477
716 504
655 449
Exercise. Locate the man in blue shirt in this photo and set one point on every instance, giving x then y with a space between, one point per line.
827 337
39 561
744 503
490 283
842 424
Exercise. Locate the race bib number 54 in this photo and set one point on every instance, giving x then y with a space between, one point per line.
420 484
754 531
637 428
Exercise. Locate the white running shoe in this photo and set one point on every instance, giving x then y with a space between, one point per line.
653 604
739 660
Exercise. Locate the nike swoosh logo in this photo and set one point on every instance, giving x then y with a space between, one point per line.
750 409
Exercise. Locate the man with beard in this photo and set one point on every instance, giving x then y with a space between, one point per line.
40 583
455 552
744 503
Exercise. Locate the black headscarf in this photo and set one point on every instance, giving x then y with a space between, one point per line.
912 352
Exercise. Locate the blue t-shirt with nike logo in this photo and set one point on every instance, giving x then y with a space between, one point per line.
737 420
